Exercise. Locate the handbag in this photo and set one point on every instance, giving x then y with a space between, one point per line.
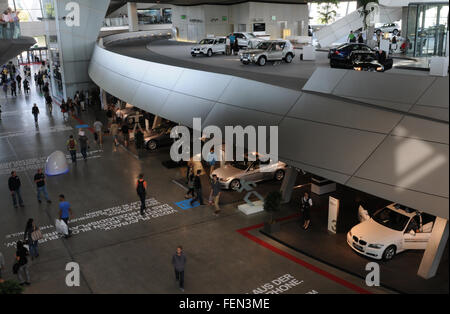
16 267
36 235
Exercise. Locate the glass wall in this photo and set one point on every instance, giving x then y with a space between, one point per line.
154 16
427 29
28 10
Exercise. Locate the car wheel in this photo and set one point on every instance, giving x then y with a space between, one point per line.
389 253
288 58
152 145
332 64
235 184
262 61
209 53
194 55
279 175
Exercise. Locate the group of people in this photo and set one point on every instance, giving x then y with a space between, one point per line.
12 81
9 28
231 45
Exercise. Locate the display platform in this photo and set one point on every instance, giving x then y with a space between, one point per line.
332 249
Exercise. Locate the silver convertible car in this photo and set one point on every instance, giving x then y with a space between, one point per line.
230 176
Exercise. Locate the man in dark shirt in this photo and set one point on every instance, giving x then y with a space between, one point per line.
215 193
197 189
381 56
126 135
35 112
179 262
14 188
39 179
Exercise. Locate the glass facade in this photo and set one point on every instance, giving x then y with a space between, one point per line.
155 16
427 29
28 10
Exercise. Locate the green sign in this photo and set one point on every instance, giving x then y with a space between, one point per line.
224 18
274 18
183 17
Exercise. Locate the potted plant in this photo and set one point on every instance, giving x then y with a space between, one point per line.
272 204
10 287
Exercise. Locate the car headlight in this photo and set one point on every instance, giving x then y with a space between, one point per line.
376 246
357 68
380 69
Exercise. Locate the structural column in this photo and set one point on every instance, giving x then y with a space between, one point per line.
156 122
287 185
133 25
435 248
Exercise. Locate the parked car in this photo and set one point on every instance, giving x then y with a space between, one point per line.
160 137
209 46
231 175
247 40
368 62
345 56
269 50
389 231
388 28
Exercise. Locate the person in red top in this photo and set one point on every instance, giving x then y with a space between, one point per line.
141 189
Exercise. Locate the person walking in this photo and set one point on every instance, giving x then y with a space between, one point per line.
126 133
39 179
14 187
35 112
211 158
64 109
197 189
22 264
72 147
141 189
26 87
190 182
65 212
49 103
13 88
179 263
236 46
2 266
98 127
216 190
227 46
32 244
360 38
114 130
83 139
306 206
19 81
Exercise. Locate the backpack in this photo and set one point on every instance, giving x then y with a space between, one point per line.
72 144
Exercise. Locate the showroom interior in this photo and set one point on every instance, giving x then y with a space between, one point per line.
359 101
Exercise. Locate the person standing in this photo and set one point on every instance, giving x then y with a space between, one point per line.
216 190
236 46
49 103
351 37
65 212
360 38
211 159
22 262
306 206
39 179
98 127
13 88
141 189
179 263
114 130
197 189
72 147
83 143
19 81
35 112
2 266
190 182
26 87
32 244
14 186
227 46
126 133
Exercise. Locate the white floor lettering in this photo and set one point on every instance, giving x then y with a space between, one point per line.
278 285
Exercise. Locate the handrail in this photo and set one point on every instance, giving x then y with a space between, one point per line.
10 30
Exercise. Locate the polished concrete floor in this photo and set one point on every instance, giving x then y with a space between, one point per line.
118 250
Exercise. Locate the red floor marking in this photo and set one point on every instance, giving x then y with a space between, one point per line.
342 282
78 119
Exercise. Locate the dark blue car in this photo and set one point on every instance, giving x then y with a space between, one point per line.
341 56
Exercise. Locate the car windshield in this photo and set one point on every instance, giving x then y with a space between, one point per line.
264 45
206 42
391 219
365 57
251 35
242 165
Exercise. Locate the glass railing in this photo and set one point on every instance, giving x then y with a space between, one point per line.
10 30
115 21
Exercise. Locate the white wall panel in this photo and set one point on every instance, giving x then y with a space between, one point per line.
324 80
206 85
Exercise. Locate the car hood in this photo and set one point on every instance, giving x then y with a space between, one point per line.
153 136
372 232
201 46
227 171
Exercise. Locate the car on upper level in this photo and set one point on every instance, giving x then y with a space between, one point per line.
209 46
231 175
391 230
246 40
393 28
269 50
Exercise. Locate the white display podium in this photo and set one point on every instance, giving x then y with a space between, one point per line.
322 186
439 66
309 53
258 206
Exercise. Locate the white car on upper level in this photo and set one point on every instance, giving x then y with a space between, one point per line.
392 229
209 46
247 40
